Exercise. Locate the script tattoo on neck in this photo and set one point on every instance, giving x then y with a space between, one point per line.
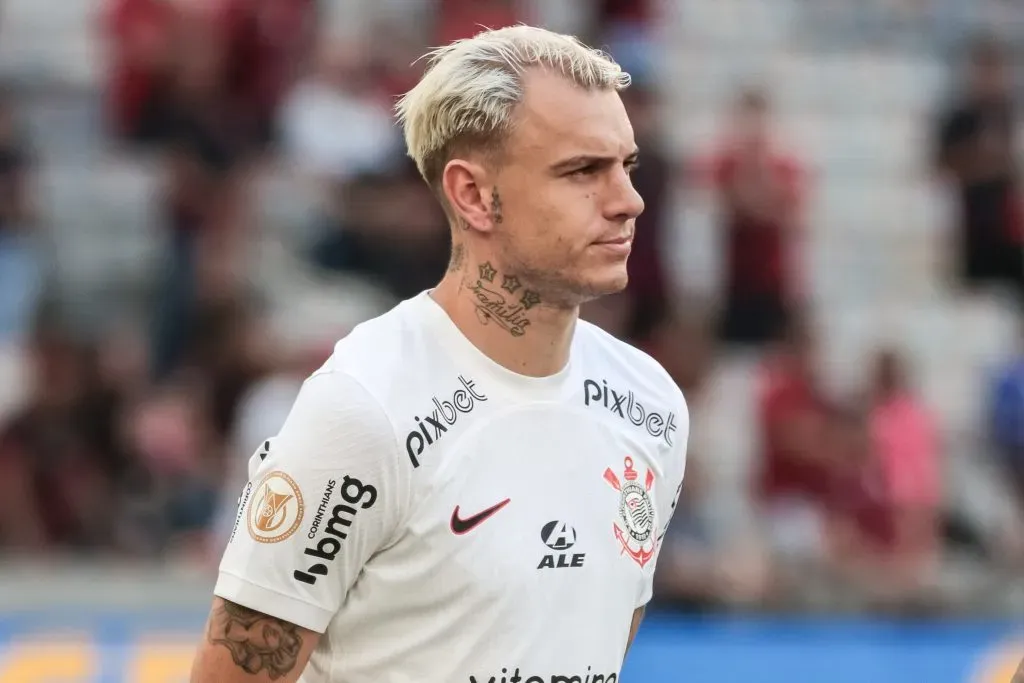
504 304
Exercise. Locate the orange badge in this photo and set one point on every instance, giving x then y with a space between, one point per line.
276 509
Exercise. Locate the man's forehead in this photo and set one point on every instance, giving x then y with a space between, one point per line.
558 119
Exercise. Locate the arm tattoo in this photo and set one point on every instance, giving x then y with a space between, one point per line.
257 642
503 304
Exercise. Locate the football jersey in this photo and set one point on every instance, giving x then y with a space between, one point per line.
442 519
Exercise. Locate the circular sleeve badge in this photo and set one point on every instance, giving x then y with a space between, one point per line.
276 510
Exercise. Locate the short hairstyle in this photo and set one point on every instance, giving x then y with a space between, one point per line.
467 98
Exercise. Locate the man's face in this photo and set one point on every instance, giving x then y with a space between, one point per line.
567 204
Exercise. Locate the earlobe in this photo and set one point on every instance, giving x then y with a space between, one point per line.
464 192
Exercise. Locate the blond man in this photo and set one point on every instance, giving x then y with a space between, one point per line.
475 486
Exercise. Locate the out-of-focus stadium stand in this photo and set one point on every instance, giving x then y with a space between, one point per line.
117 482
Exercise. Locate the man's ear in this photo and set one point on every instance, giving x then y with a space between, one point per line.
463 183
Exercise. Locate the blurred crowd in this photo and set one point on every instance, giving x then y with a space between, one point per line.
134 441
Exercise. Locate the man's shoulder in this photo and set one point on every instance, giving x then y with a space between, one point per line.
385 345
392 357
619 361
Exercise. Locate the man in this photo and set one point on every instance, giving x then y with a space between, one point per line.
976 153
760 192
474 487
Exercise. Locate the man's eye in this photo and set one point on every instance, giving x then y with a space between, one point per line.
632 166
584 171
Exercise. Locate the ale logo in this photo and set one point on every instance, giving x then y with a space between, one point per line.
276 509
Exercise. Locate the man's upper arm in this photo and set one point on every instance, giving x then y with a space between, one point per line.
634 626
669 488
323 496
245 646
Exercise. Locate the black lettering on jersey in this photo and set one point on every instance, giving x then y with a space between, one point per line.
510 675
562 561
430 428
355 493
243 500
627 407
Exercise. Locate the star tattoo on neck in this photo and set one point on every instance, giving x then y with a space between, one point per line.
530 299
510 283
487 271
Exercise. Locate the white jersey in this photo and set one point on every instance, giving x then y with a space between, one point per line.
441 519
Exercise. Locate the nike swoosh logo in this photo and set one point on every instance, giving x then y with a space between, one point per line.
462 526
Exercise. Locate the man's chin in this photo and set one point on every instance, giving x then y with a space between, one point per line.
608 284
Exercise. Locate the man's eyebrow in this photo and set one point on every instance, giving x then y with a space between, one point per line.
583 160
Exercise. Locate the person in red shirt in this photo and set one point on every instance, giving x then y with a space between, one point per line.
879 550
885 500
139 36
792 412
266 42
760 196
791 473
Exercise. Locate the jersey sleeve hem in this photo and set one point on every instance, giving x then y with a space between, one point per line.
645 597
271 602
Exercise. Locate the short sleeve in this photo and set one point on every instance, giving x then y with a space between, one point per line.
669 488
323 496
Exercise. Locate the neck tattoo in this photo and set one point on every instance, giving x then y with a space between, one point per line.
496 213
504 304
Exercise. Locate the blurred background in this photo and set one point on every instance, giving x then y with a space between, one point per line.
198 197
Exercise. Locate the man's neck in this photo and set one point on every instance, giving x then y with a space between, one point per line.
507 321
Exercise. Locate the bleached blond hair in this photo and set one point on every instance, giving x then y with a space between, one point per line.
467 98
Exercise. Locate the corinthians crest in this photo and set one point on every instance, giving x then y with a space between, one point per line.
636 513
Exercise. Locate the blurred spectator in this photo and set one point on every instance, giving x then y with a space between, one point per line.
394 234
976 151
139 35
699 568
760 194
21 269
880 548
204 195
266 42
884 496
905 440
228 353
171 488
59 463
1006 421
792 471
333 126
648 281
